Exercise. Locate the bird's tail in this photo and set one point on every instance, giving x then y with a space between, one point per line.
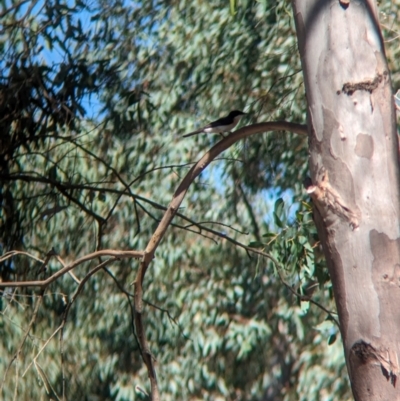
193 133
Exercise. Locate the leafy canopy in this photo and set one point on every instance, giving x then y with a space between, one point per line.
94 97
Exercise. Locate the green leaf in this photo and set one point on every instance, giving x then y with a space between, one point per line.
278 221
268 235
278 207
331 339
256 244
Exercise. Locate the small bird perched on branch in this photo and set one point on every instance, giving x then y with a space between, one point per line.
224 124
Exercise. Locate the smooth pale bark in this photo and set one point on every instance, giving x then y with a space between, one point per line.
355 182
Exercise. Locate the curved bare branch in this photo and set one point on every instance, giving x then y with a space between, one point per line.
44 283
172 210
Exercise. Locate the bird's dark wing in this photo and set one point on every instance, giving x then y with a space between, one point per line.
218 123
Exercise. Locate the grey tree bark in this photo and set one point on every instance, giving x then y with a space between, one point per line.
354 183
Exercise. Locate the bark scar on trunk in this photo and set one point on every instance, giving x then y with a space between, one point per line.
368 85
327 200
363 353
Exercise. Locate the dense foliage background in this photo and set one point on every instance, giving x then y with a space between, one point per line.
94 98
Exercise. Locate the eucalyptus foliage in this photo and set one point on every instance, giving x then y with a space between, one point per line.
94 97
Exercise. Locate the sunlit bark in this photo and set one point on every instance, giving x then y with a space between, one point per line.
355 182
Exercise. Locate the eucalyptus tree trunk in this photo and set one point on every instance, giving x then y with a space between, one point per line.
355 182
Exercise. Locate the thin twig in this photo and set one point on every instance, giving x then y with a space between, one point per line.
128 296
70 272
10 254
306 298
170 317
41 349
66 312
116 254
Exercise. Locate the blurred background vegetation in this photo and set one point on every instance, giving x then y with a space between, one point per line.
94 98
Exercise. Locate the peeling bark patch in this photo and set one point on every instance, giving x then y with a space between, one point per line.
369 85
389 376
366 353
328 200
363 351
364 146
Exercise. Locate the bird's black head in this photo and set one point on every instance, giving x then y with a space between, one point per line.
236 113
